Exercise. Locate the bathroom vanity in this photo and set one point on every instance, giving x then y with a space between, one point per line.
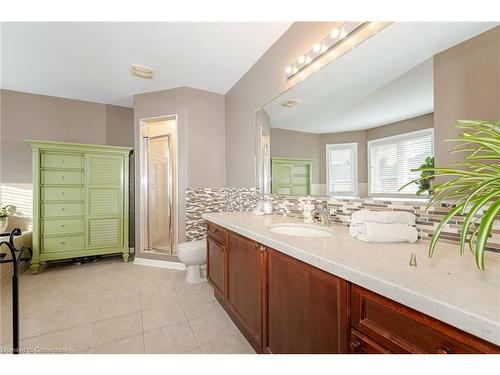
335 294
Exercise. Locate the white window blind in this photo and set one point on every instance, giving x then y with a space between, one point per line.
341 169
391 159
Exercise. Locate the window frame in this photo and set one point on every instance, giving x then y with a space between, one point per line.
391 139
353 146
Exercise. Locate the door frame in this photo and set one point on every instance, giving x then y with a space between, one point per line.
141 215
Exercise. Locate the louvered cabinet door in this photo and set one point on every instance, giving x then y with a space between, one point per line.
104 204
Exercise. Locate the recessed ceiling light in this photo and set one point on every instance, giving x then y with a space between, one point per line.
142 71
290 103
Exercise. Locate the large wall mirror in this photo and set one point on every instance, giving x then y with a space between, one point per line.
358 126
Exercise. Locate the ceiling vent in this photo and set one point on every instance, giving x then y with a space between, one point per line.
142 71
290 103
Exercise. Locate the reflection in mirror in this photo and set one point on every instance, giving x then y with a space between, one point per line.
359 125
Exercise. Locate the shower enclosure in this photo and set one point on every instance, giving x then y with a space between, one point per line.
158 177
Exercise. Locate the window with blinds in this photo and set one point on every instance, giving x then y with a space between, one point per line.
391 159
342 169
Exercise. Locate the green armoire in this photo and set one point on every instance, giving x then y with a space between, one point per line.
80 201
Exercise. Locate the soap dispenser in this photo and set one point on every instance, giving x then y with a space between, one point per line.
307 209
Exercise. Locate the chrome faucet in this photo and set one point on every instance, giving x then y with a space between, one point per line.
322 212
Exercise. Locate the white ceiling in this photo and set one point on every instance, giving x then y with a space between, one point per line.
388 78
91 61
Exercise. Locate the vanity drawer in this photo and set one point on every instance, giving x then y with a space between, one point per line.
56 160
216 232
62 177
62 226
401 329
360 344
62 193
68 243
62 209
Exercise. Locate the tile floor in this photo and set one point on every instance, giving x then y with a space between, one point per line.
116 307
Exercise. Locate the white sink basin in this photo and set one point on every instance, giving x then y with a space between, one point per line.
304 230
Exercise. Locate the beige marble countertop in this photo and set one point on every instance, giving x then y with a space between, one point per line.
448 287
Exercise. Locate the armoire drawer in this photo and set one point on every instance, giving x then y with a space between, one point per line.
56 160
68 243
62 177
62 209
62 226
62 193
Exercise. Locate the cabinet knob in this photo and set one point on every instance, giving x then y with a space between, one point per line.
63 225
63 242
62 209
355 345
62 177
444 350
62 192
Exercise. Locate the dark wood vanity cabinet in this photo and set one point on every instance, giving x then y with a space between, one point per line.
282 305
306 308
399 329
216 259
244 292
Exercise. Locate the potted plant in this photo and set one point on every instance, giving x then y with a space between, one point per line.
6 210
471 188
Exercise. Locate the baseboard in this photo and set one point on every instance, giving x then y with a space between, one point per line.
159 263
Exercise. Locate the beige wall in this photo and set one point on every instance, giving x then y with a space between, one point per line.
201 140
300 145
263 82
466 86
43 117
400 127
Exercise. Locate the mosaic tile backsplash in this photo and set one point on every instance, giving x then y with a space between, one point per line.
199 201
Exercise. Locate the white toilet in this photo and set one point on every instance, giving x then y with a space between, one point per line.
193 254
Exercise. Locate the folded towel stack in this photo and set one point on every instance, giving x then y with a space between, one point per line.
383 226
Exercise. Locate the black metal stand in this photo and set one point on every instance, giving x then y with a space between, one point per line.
17 257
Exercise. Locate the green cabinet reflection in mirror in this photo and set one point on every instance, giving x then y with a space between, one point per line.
80 201
291 176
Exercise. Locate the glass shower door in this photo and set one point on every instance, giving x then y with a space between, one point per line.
159 194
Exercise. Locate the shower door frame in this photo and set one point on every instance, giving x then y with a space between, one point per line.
143 193
146 146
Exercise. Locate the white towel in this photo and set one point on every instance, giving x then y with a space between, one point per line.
386 217
380 232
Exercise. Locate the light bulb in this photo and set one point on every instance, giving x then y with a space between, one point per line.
316 47
301 59
343 34
335 33
288 69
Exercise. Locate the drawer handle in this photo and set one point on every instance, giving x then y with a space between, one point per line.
63 242
444 350
355 346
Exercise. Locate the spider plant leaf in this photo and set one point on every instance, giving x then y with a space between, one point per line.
470 215
441 226
484 232
478 189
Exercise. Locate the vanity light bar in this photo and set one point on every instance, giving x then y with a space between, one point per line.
339 36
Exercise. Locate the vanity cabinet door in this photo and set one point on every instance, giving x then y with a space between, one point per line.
306 308
215 265
245 260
